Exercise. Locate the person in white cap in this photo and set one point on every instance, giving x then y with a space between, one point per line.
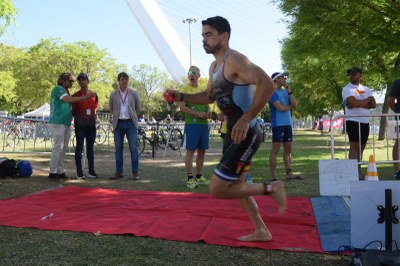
280 104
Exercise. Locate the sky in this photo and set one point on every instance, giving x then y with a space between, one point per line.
257 28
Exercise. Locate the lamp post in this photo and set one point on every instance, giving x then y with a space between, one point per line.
190 21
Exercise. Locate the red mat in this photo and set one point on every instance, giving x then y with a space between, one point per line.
188 217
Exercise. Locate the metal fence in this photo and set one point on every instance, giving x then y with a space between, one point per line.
391 134
20 135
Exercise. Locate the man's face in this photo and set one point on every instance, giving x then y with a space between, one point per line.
281 81
193 76
83 82
68 82
123 82
355 77
212 41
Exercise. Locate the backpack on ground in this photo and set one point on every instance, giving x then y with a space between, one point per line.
8 168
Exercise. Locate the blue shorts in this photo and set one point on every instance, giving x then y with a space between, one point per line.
196 137
282 134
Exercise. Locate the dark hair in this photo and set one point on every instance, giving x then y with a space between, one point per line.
63 77
354 70
122 75
219 23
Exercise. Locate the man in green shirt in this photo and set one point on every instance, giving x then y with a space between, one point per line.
60 122
196 130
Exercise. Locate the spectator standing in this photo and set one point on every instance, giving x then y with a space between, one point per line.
124 105
358 100
196 130
84 114
60 122
281 103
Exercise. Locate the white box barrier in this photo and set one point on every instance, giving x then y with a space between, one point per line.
335 176
365 197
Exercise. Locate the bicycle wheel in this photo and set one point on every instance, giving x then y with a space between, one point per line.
141 144
268 133
176 138
12 139
161 140
101 136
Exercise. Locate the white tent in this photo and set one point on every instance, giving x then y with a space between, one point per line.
43 112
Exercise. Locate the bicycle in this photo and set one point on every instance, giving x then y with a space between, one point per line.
18 131
175 135
153 140
267 131
101 136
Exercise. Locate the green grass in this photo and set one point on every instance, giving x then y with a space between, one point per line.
26 246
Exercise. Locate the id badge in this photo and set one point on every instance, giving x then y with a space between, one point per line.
88 112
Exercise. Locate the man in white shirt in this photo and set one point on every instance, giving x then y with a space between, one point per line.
358 100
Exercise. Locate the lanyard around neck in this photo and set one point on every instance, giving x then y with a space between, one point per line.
120 96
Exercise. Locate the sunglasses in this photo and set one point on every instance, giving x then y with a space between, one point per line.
71 80
193 73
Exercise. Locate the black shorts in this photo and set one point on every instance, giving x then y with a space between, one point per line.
236 158
354 133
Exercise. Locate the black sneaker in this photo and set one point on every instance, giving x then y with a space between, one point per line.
62 176
53 176
57 176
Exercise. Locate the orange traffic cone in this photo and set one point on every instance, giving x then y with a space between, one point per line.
372 173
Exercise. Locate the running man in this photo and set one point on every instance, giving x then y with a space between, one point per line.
230 85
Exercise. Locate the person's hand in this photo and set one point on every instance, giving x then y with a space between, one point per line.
90 94
203 115
371 103
239 130
171 95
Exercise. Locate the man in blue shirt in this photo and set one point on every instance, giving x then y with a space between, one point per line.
280 104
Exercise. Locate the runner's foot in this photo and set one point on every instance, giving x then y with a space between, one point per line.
279 195
256 236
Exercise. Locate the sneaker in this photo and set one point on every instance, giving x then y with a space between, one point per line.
191 183
92 175
117 175
62 176
202 181
57 176
53 176
135 176
396 174
80 176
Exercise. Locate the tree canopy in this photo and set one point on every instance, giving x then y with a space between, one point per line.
328 37
7 15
